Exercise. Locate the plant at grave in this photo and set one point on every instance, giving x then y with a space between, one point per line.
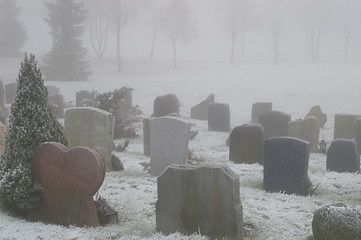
117 164
31 123
103 210
122 147
193 134
192 158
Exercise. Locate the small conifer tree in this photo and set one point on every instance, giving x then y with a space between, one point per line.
31 123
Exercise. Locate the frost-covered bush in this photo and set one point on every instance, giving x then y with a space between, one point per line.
31 123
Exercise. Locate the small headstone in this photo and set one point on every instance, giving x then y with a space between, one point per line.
199 199
169 139
293 128
246 144
274 123
345 126
310 131
286 165
10 92
56 102
2 95
358 134
90 127
146 137
316 111
165 105
342 156
336 222
69 178
200 111
219 117
260 108
52 90
81 97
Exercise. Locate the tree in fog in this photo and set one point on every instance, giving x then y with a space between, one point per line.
65 61
237 14
277 26
98 26
12 31
153 21
178 24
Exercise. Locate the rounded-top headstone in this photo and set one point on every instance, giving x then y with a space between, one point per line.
165 105
275 123
342 156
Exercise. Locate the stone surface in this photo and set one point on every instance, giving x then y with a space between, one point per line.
293 128
345 126
10 92
274 123
90 127
246 144
82 96
52 90
342 156
219 117
70 178
358 133
286 165
146 137
200 111
203 199
56 102
169 139
310 131
165 105
336 222
316 111
260 108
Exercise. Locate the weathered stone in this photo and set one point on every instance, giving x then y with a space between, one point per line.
316 111
90 127
342 156
286 165
165 105
274 123
10 92
310 131
52 90
69 178
345 126
82 96
293 128
246 144
169 139
200 111
336 222
146 137
219 117
199 199
260 108
56 102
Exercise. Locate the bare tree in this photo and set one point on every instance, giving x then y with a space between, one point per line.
277 26
178 24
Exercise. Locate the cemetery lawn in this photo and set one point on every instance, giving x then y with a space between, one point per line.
292 87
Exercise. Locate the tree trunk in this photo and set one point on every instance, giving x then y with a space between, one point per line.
233 48
242 44
175 53
275 47
119 59
153 42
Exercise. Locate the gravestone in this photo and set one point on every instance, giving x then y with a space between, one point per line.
274 123
219 117
316 111
199 199
286 165
82 96
310 131
90 127
358 134
342 156
345 126
165 105
293 128
169 139
70 178
10 92
200 111
246 144
260 108
56 102
146 137
2 95
52 90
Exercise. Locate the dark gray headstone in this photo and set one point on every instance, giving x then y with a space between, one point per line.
52 90
260 108
286 165
219 117
165 105
199 199
246 144
274 123
81 96
342 156
345 126
146 137
10 92
56 102
200 111
316 111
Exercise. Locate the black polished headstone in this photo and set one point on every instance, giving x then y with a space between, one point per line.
342 156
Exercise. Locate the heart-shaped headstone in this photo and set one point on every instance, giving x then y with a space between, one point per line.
70 179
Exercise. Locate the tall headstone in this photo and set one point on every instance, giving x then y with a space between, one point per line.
310 131
10 92
165 105
200 111
345 126
53 90
286 165
342 156
246 144
316 111
260 108
169 139
90 127
219 117
146 137
274 123
205 199
81 96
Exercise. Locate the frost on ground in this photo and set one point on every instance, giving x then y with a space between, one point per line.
292 87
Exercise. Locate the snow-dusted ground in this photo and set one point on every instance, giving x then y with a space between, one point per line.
292 87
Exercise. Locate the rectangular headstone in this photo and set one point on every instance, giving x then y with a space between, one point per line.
260 108
169 137
219 117
10 92
275 123
342 156
203 199
344 126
